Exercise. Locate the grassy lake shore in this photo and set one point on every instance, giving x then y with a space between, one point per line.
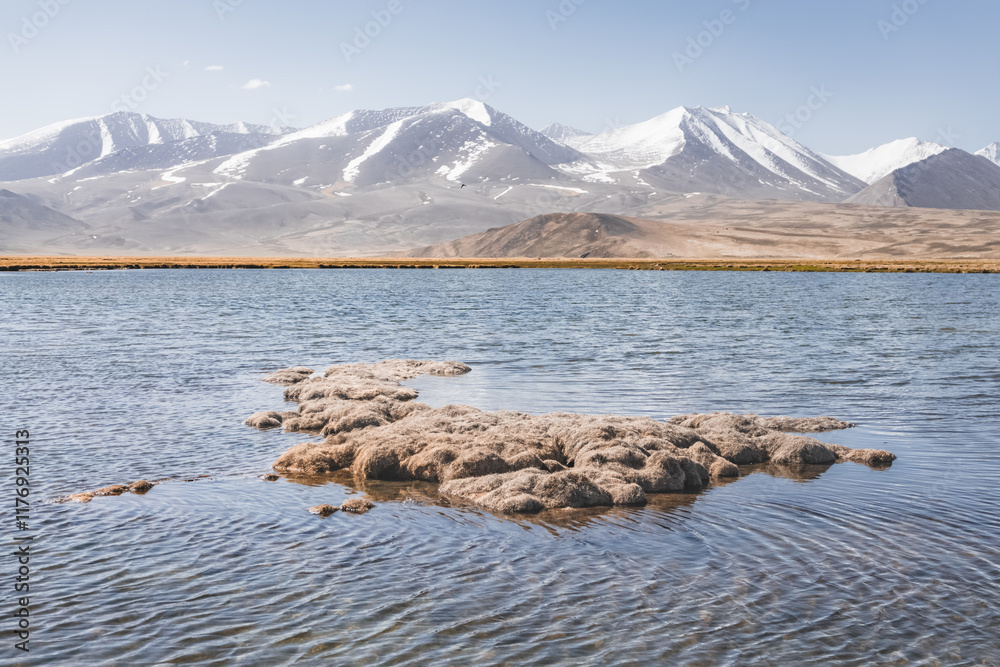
99 263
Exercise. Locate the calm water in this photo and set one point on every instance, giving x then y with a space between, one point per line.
128 375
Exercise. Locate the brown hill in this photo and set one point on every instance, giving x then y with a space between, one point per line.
719 227
555 235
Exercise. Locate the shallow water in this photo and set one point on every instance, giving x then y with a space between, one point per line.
149 374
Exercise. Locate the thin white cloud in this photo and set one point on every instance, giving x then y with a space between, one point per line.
346 88
254 84
186 63
214 68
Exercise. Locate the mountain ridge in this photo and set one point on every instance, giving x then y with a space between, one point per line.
374 181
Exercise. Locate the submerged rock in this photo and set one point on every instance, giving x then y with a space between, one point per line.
516 462
356 505
270 477
289 376
264 420
142 486
352 505
139 487
113 490
323 510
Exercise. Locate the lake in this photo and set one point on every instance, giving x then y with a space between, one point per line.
127 375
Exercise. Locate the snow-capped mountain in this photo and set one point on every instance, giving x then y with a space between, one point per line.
879 162
714 150
121 141
465 140
953 179
991 153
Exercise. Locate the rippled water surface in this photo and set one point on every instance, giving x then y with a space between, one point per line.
149 374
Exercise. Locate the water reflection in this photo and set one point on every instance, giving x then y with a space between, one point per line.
427 493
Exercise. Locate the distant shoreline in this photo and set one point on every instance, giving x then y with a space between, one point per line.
105 263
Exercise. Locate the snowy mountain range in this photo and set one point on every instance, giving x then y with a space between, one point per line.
713 150
122 141
368 182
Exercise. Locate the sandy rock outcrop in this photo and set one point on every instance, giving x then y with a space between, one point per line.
516 462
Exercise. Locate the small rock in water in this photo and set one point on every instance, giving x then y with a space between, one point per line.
142 486
113 490
270 477
289 376
356 505
323 510
264 420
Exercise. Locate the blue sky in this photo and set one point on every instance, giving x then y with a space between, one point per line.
929 69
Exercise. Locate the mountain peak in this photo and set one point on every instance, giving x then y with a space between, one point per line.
991 153
876 163
475 109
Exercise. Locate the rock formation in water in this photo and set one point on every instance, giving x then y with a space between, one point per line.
351 505
356 505
516 462
140 487
324 510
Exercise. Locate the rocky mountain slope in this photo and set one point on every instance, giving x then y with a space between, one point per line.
953 179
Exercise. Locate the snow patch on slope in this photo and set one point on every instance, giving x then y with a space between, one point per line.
236 166
474 151
637 146
354 166
576 191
